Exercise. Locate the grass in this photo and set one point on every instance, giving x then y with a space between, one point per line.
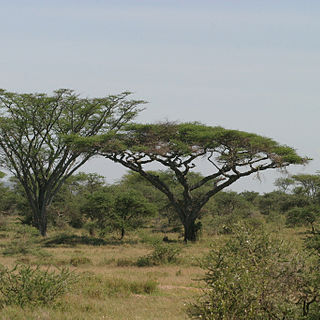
111 285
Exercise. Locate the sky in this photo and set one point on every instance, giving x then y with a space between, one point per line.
247 65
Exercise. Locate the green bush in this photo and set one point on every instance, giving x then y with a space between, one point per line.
143 287
162 254
301 217
254 276
27 286
144 261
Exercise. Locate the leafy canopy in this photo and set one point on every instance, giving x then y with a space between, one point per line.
35 128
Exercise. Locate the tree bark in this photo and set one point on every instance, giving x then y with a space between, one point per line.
122 233
40 219
43 222
190 229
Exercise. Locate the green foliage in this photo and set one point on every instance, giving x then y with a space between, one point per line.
167 215
27 286
224 224
186 138
131 209
98 206
233 154
227 203
310 184
117 208
301 217
249 196
278 201
8 199
284 183
134 181
36 134
254 276
67 206
162 254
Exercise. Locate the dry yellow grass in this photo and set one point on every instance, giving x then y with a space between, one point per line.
177 283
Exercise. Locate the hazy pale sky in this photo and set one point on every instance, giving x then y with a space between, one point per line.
247 65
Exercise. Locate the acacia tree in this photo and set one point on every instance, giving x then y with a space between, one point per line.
33 131
233 154
310 184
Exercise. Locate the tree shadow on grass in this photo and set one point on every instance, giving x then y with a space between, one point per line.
72 240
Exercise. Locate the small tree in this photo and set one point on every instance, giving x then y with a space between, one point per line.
256 276
227 203
33 131
117 208
233 154
131 209
284 183
310 184
66 205
302 217
98 206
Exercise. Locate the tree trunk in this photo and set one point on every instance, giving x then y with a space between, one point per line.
191 229
122 233
40 218
43 223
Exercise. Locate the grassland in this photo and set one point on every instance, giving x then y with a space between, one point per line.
110 285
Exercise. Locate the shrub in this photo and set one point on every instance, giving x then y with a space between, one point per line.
76 261
254 276
161 254
301 217
164 253
27 286
144 261
143 287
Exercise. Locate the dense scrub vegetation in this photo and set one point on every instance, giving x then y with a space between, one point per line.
86 201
